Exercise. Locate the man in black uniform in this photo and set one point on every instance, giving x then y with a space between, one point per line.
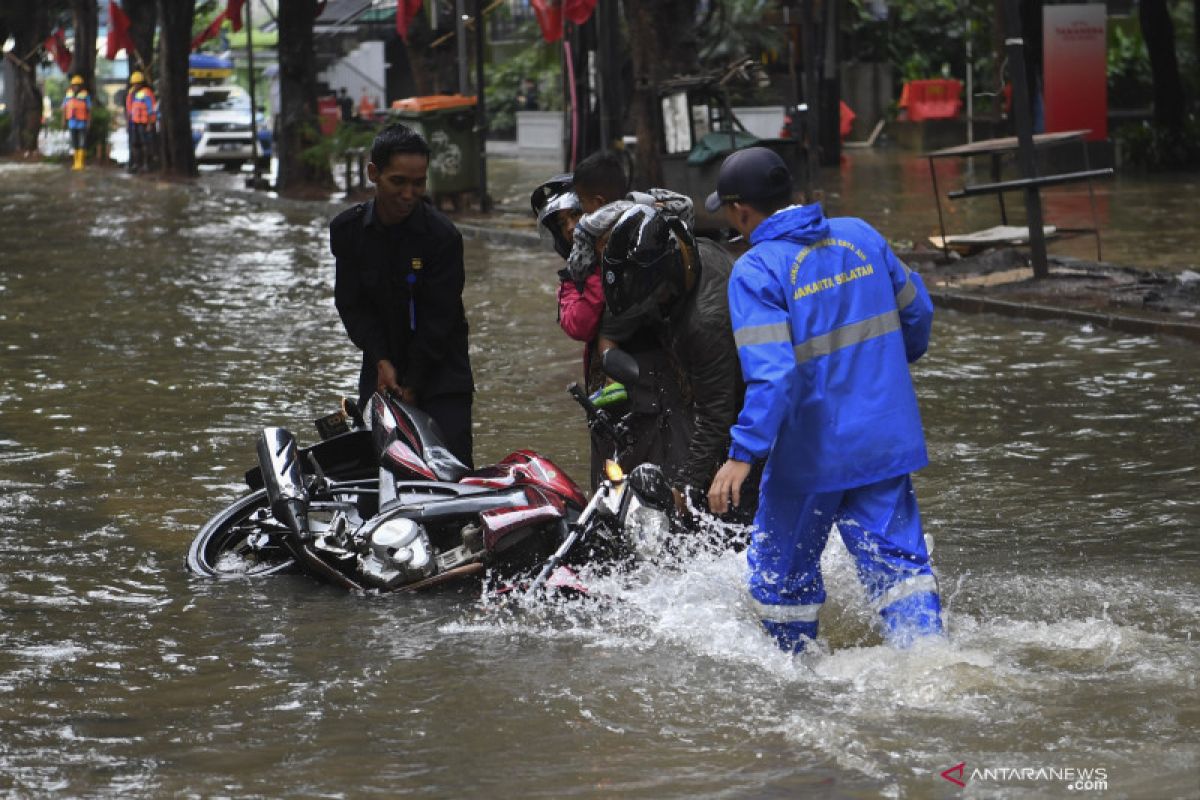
399 290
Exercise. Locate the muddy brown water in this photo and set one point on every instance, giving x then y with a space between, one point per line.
148 329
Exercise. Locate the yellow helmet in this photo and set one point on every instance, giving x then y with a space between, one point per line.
77 81
137 77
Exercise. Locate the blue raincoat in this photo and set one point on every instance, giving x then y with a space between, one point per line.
826 320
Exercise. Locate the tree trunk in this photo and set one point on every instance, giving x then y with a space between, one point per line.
434 69
28 24
143 19
175 127
662 42
298 122
83 53
1159 33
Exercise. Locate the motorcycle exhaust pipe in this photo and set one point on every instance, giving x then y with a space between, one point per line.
279 459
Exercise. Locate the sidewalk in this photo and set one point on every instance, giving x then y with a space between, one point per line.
1121 298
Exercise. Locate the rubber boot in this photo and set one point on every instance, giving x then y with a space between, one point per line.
911 619
791 637
78 160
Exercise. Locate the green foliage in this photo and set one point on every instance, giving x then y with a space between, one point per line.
922 38
332 149
538 60
737 28
100 129
1157 148
1129 76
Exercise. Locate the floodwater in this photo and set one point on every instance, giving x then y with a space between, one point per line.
148 329
1145 220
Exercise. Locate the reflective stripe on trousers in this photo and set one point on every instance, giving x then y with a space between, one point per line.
785 613
915 584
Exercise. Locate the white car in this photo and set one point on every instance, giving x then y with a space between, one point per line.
222 132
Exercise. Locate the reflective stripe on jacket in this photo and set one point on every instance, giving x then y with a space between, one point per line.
141 109
826 320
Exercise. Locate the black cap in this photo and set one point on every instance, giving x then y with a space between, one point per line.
755 173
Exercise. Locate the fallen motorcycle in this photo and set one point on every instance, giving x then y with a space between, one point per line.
385 506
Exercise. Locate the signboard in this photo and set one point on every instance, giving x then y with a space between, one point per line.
1075 72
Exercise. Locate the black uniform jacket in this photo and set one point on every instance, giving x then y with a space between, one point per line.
399 293
700 336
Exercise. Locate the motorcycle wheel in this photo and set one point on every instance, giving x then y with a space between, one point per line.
221 549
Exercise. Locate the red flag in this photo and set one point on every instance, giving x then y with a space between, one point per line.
578 11
406 11
211 31
549 17
56 46
118 32
233 13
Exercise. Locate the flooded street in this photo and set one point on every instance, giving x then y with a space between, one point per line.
147 330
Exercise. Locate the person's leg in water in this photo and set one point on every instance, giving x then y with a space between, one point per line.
789 536
881 527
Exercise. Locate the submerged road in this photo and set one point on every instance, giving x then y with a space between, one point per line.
148 329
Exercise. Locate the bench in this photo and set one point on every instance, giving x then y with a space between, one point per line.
995 149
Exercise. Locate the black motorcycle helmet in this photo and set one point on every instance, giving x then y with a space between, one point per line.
548 200
647 251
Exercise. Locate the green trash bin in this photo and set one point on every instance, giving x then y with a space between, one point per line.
447 121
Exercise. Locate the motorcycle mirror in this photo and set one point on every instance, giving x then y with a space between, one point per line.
649 483
620 366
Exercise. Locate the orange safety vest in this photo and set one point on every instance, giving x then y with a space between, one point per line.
77 107
142 110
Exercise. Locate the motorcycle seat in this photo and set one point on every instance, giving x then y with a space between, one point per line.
444 464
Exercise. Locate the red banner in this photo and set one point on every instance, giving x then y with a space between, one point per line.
118 32
406 12
549 15
578 11
210 32
56 46
233 13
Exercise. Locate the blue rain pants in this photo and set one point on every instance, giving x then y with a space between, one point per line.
880 525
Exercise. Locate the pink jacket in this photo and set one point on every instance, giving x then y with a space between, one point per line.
579 312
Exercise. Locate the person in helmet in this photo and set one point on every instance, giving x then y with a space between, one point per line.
141 117
77 114
826 320
580 303
653 269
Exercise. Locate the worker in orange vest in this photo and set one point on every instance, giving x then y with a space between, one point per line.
366 107
141 113
77 113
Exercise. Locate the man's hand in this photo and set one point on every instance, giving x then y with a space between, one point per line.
386 380
726 484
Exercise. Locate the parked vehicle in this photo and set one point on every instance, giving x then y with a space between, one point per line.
386 507
224 127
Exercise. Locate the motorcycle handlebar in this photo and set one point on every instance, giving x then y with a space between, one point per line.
598 420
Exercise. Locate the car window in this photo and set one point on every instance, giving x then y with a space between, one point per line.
220 100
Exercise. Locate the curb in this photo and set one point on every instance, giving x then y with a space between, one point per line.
1118 322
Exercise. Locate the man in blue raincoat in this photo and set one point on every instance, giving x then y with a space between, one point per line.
826 320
